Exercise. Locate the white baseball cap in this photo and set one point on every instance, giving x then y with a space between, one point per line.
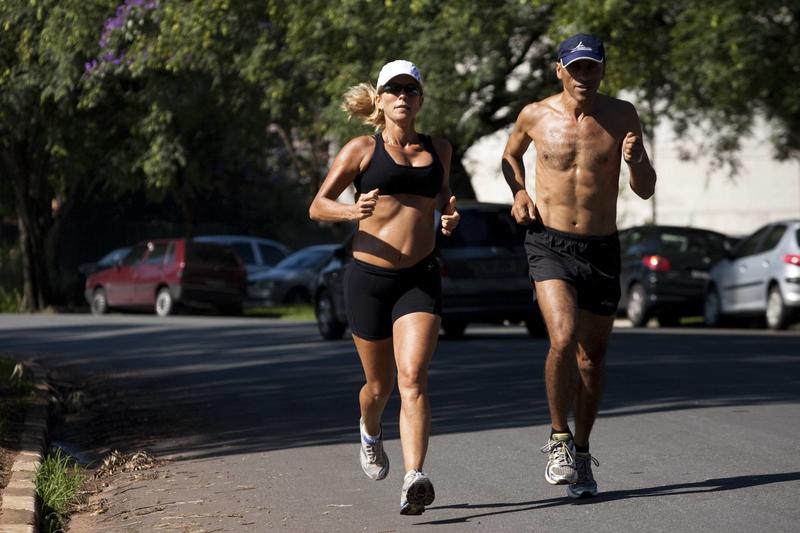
398 68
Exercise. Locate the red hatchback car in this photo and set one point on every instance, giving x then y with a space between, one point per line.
164 274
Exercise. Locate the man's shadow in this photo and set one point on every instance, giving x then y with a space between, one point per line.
709 485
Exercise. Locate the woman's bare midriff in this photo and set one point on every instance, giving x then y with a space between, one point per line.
399 234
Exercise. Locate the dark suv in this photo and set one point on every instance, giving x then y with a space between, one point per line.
484 275
164 274
665 270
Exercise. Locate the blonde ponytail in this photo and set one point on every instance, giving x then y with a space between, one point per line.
359 102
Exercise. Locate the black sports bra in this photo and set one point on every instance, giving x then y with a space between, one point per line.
386 175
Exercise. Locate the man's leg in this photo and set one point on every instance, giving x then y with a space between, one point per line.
558 302
593 333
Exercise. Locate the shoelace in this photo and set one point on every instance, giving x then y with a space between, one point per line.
372 451
582 465
562 451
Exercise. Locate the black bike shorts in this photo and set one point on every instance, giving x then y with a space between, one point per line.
374 297
590 263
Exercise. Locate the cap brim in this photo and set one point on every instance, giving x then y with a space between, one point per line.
568 59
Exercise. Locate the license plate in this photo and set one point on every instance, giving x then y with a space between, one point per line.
700 274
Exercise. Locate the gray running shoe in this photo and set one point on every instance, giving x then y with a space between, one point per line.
417 493
374 460
585 486
560 468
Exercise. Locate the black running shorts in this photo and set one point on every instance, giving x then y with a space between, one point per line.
374 297
590 263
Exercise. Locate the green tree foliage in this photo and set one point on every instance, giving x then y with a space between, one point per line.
43 152
714 66
170 70
482 61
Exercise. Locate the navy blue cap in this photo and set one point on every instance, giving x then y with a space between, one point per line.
581 46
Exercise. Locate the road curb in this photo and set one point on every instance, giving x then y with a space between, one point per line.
19 509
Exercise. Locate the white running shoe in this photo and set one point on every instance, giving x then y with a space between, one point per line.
374 460
417 493
585 485
560 468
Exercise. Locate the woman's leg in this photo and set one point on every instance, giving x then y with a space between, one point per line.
415 338
378 363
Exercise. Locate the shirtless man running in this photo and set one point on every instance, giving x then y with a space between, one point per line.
581 137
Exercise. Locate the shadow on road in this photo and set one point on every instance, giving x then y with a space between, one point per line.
709 485
251 386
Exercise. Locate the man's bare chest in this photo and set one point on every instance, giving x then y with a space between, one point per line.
588 145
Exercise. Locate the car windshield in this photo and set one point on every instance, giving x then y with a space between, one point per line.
305 259
113 257
692 243
485 228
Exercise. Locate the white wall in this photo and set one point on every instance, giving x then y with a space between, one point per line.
687 192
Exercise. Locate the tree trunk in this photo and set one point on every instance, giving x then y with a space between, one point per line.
36 288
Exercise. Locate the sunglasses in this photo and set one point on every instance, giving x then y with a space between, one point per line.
397 88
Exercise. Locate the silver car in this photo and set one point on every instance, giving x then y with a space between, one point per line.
289 282
761 277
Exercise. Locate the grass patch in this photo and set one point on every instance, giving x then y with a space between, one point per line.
58 481
291 312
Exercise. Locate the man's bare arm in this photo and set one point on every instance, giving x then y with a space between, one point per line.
642 173
523 209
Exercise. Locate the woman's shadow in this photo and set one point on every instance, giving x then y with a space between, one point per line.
709 485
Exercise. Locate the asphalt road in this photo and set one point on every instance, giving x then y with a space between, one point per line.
698 430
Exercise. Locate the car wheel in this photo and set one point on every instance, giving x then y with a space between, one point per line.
712 309
454 329
165 303
99 303
329 326
636 307
777 314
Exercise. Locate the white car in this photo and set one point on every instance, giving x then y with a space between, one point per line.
761 277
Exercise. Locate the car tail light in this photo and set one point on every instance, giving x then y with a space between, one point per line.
792 259
657 263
